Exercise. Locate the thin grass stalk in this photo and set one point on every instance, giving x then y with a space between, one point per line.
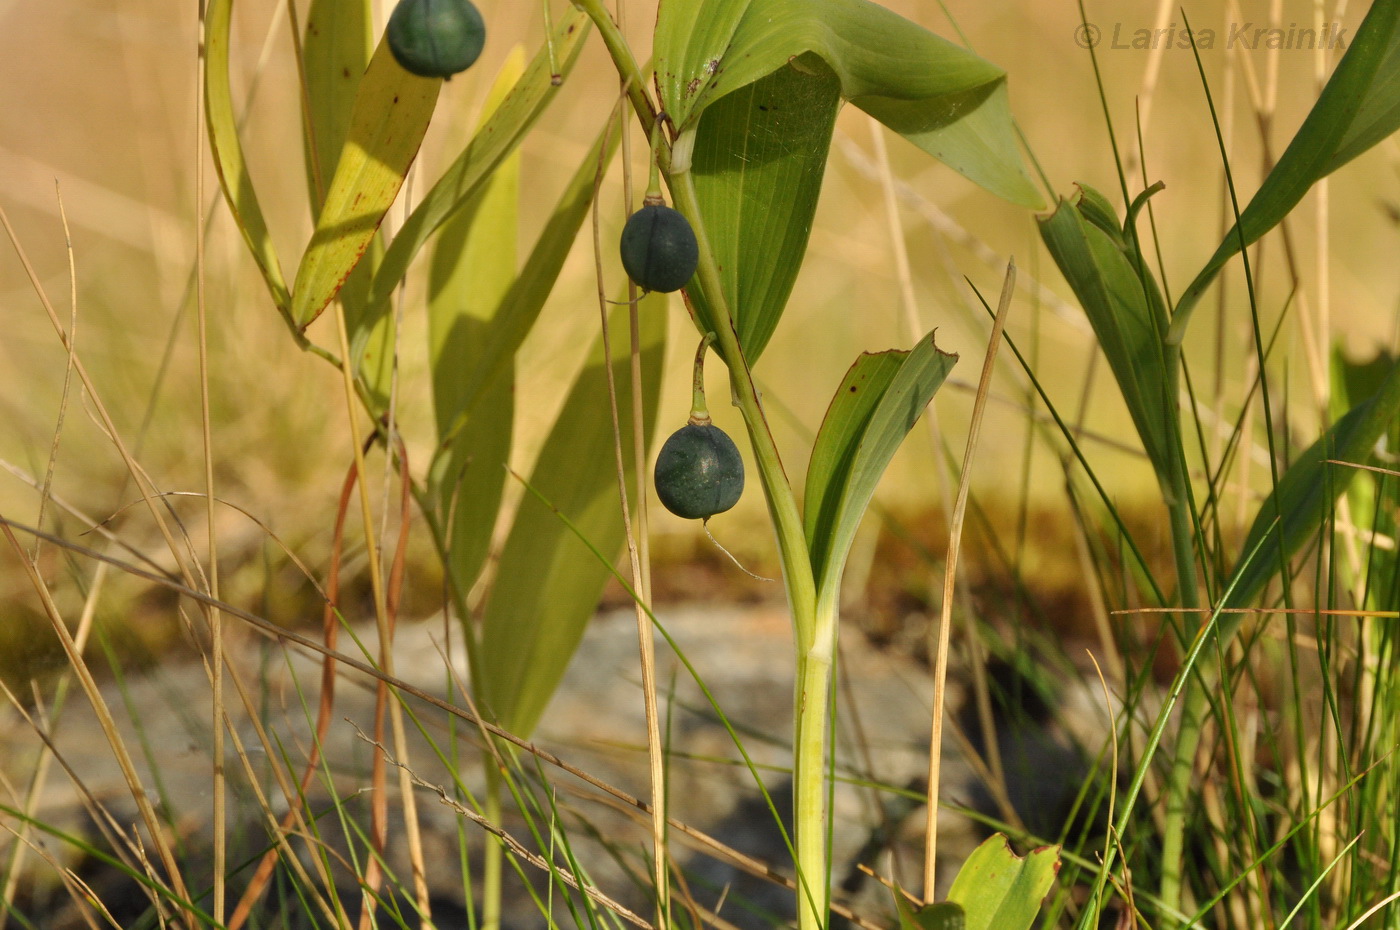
384 629
105 719
955 524
330 628
216 623
640 579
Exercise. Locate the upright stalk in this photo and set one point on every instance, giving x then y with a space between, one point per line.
1194 700
813 629
812 637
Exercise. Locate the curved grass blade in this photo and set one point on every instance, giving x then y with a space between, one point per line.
1359 106
1000 890
472 271
390 116
227 151
878 402
1298 506
759 158
941 97
548 583
496 139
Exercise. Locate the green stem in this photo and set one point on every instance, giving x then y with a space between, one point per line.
1179 788
813 648
492 853
699 410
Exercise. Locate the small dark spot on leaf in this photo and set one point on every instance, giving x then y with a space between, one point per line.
853 389
396 98
570 30
345 72
763 108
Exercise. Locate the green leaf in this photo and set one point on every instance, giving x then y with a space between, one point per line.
227 150
1000 890
472 271
941 97
335 53
1121 307
1297 509
759 157
390 116
876 405
548 582
1359 106
944 915
496 139
521 305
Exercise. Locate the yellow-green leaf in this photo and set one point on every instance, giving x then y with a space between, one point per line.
496 138
391 113
472 271
335 52
548 582
228 153
1000 890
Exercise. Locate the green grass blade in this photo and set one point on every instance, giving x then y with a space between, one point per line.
228 153
391 113
547 583
496 139
1298 507
472 271
873 410
1116 300
759 159
889 66
1000 890
335 52
1359 106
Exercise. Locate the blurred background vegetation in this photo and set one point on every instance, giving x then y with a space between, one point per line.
99 109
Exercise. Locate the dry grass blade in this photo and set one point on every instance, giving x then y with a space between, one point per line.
514 845
945 623
330 633
104 716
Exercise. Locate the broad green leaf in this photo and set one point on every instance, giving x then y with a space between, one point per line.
1359 106
944 915
335 53
472 271
390 116
1297 509
548 582
228 153
921 85
1000 890
878 402
1121 307
496 139
521 305
759 157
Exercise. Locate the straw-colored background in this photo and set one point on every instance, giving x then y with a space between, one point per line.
101 98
